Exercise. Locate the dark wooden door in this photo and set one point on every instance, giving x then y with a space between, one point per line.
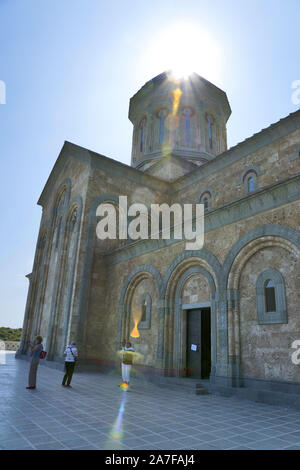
193 359
205 344
198 358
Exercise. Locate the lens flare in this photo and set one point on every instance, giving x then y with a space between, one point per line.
136 315
124 386
176 100
183 48
117 429
135 332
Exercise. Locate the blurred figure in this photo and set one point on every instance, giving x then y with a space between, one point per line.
127 358
123 344
35 350
71 355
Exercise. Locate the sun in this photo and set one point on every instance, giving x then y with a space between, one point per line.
184 49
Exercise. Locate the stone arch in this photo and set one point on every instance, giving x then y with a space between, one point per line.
179 328
191 258
247 171
187 264
65 186
284 234
53 256
39 277
36 279
251 243
140 273
62 312
250 249
62 197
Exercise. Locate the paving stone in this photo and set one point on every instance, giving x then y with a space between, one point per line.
153 417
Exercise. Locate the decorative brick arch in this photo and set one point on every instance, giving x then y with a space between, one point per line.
273 235
69 251
191 258
282 235
36 280
54 249
178 341
65 186
138 274
206 192
169 353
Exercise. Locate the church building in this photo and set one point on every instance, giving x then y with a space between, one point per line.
229 312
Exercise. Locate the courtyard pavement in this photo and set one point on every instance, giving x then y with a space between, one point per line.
96 414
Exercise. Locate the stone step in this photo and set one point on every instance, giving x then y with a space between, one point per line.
201 390
288 400
188 385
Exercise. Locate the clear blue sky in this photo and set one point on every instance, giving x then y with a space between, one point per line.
70 68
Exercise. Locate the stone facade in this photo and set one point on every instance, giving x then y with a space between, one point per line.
87 290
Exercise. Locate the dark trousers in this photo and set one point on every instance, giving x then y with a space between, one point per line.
32 371
69 368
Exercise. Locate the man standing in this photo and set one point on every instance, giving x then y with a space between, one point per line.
71 355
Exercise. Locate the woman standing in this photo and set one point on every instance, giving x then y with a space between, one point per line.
35 359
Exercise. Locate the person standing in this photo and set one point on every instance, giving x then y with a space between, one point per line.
71 354
127 362
36 350
123 344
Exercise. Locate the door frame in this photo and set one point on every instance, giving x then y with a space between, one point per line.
180 323
185 309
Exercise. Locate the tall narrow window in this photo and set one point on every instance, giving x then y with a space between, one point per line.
270 296
205 199
210 122
187 126
206 203
151 140
144 311
161 127
142 135
145 306
251 184
58 229
249 179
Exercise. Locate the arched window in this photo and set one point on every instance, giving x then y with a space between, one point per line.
205 199
187 126
151 136
58 218
206 203
250 184
210 123
270 298
145 306
161 115
144 311
249 180
142 134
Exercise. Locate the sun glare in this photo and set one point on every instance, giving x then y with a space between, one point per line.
184 49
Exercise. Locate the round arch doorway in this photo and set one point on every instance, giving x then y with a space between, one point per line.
198 340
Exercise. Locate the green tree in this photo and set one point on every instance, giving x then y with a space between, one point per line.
10 334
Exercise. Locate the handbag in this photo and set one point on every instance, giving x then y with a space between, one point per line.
43 354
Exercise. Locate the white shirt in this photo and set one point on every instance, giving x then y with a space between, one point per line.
71 357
